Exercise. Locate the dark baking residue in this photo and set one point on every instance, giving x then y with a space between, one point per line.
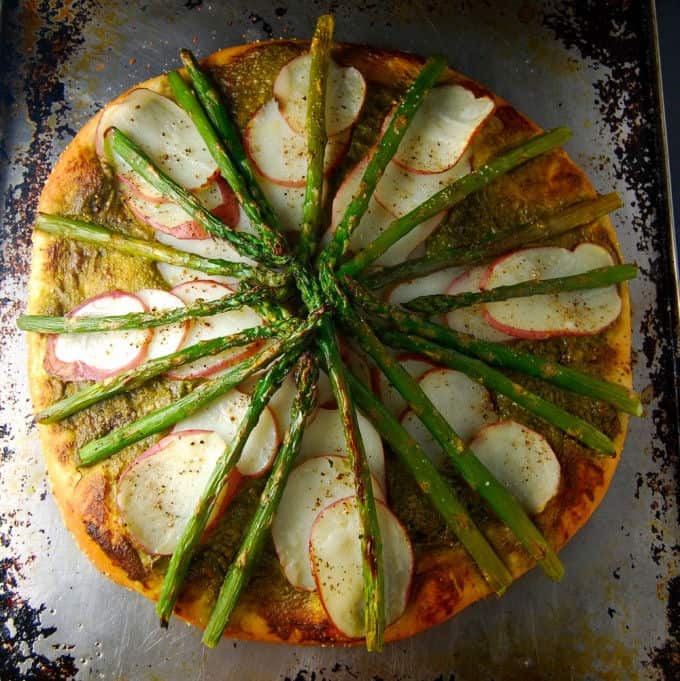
616 35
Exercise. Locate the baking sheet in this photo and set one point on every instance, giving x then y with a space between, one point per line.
591 66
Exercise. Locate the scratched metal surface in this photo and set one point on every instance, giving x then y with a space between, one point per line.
591 67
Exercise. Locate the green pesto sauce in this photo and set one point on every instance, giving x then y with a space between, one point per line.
82 271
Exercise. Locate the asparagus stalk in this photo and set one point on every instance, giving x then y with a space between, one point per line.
597 278
453 194
468 466
434 487
493 245
182 555
272 240
382 155
251 545
136 377
316 136
245 244
499 355
99 235
496 381
210 98
165 417
140 320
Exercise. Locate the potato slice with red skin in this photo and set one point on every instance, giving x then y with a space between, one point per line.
158 492
311 486
221 324
224 415
345 94
164 131
464 403
99 355
431 284
416 365
280 153
520 459
473 319
169 338
336 559
574 313
442 129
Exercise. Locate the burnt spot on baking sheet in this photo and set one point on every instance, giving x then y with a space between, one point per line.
616 35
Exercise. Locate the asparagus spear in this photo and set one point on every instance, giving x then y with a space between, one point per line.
382 155
153 250
210 98
140 320
597 278
182 555
493 245
453 194
499 355
469 467
245 244
251 545
134 378
494 380
273 241
165 417
434 487
316 136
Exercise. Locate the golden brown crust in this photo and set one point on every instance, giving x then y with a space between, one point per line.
445 581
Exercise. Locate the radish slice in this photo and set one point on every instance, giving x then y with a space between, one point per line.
325 435
400 191
388 394
575 313
442 129
159 490
345 93
431 284
98 355
166 339
164 132
205 328
375 221
313 485
472 320
224 416
280 153
465 405
520 459
168 217
335 551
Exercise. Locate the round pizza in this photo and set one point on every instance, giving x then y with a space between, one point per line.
326 342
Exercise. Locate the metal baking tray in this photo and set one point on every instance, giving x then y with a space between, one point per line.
592 66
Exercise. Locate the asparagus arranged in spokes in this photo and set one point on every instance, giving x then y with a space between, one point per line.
496 381
455 193
181 557
99 235
598 278
165 417
316 137
245 244
329 294
271 239
496 244
211 101
138 376
475 474
251 545
497 354
141 320
435 487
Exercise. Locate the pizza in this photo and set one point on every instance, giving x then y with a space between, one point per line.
129 510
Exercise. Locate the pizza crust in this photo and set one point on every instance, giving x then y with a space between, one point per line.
445 582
